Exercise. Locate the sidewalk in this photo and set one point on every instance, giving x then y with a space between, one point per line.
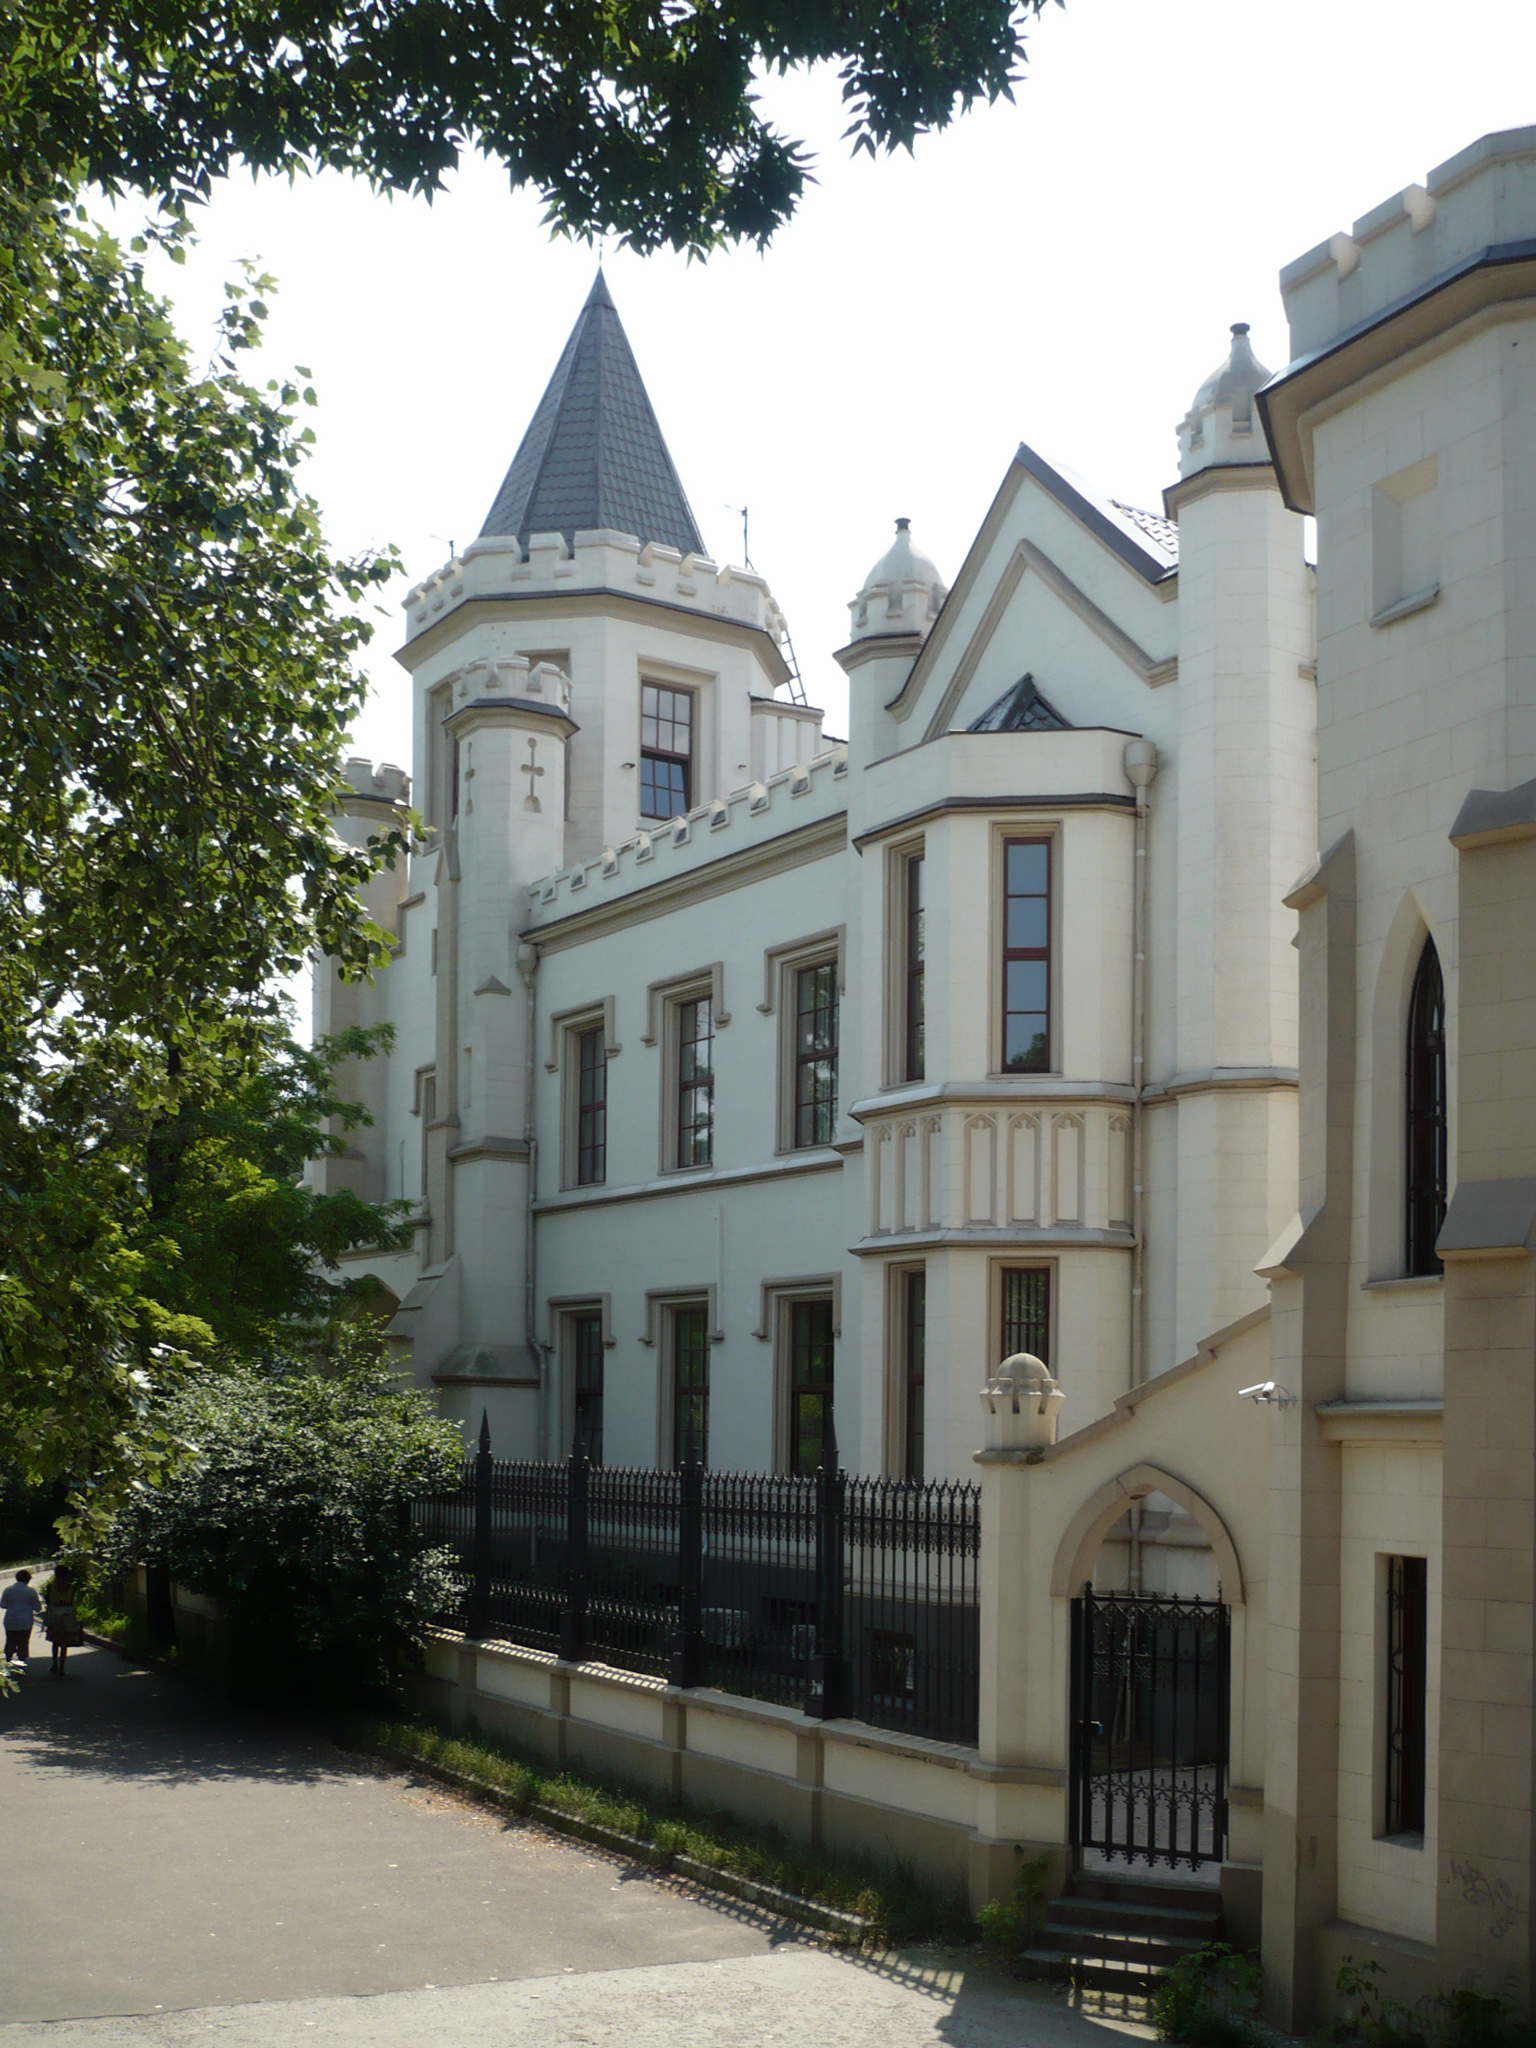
177 1873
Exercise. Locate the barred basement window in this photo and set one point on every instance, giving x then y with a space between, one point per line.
690 1386
1426 1150
1027 1311
1407 1671
816 1054
591 1108
696 1082
587 1365
666 751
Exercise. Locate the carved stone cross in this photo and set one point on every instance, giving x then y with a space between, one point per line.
532 770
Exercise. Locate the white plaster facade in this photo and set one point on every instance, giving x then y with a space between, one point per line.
1145 1166
1206 1223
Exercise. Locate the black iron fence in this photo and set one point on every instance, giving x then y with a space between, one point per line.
845 1596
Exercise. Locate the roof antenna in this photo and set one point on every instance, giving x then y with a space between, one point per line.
453 553
743 515
796 680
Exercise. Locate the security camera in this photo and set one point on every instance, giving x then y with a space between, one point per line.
1267 1393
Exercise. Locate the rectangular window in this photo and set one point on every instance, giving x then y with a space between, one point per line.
913 1018
810 1382
696 1082
591 1107
1027 1312
816 1054
1407 1673
587 1368
915 1339
666 751
1027 956
690 1385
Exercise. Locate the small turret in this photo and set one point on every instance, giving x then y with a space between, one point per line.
891 617
901 594
1222 425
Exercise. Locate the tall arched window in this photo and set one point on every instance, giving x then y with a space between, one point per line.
1426 1112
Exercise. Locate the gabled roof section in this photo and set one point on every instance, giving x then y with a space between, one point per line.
1149 544
593 455
1022 708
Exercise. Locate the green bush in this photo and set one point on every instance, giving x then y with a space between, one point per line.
291 1510
1209 1999
1462 2017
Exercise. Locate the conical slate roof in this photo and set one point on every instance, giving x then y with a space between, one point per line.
593 454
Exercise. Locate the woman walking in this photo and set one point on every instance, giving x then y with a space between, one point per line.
61 1624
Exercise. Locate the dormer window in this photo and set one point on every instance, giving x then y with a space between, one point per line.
666 751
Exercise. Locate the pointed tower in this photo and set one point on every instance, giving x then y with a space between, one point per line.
593 455
538 662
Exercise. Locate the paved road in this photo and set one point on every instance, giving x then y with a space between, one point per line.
174 1874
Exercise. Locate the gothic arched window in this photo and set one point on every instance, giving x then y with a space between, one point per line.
1426 1112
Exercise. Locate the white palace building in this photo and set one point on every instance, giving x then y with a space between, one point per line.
1146 984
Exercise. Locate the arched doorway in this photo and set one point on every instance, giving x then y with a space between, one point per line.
1155 1573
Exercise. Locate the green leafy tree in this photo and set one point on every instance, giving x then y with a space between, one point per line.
177 674
633 117
236 1239
291 1508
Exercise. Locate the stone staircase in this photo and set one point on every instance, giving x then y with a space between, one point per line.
1121 1933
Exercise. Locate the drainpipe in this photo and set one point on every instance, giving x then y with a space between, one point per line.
528 967
1140 768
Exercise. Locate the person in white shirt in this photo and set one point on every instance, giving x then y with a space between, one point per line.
19 1605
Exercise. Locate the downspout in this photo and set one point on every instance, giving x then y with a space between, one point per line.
1140 768
528 967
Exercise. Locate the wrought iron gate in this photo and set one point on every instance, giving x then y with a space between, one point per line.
1150 1716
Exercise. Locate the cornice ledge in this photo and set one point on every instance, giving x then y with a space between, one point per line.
1495 817
1220 476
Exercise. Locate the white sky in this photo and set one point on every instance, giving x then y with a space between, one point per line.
1062 270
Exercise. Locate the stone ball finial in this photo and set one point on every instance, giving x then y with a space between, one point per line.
1021 1403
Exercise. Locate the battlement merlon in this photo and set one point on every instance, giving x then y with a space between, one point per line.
812 793
1460 246
1481 198
601 560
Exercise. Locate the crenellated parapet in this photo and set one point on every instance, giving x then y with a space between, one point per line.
809 793
495 566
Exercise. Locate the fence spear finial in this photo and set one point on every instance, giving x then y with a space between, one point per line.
485 1430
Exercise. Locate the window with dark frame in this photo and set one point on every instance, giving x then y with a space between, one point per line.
1426 1106
816 1054
666 751
1027 956
914 1344
591 1107
1027 1312
587 1366
810 1382
696 1082
913 1020
1407 1674
690 1385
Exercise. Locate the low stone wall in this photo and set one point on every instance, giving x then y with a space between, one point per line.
933 1806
